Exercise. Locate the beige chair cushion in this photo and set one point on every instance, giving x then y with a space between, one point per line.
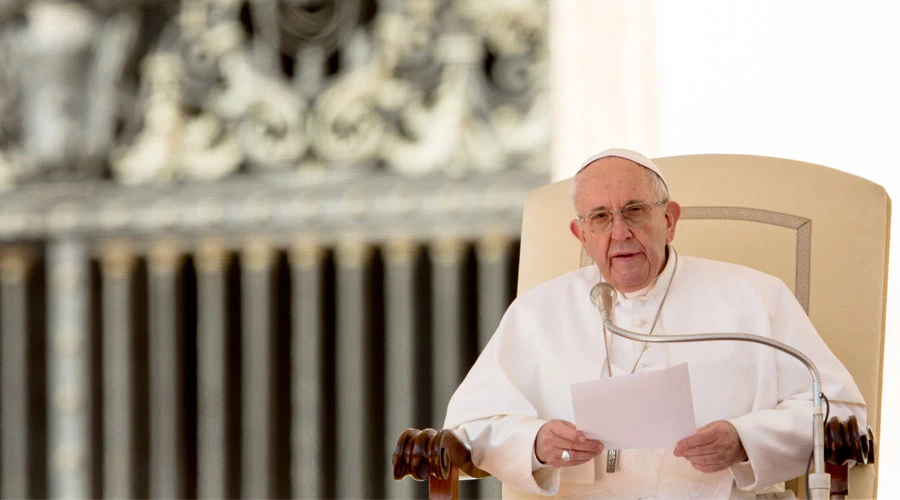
822 231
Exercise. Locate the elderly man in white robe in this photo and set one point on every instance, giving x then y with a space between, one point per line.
753 404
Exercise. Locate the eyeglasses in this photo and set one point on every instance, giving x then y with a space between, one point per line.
634 215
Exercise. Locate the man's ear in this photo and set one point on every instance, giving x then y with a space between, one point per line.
577 230
673 213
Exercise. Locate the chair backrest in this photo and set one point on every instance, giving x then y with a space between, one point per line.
822 231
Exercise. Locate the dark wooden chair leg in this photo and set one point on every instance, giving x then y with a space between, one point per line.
444 489
840 486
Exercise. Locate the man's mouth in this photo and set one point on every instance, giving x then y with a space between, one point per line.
625 255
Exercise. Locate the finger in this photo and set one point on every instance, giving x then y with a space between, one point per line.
578 458
543 445
566 430
554 441
706 427
586 449
699 439
555 436
682 450
549 447
557 457
706 449
589 446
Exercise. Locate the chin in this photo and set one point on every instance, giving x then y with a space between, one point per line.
632 285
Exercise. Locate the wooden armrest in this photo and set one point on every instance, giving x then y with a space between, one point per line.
844 444
425 453
437 456
845 447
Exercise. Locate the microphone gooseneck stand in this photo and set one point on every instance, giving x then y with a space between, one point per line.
603 296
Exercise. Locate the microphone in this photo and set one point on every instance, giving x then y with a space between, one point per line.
603 296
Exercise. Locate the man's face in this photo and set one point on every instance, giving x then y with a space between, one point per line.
629 257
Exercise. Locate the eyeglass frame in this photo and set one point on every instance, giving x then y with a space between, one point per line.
618 212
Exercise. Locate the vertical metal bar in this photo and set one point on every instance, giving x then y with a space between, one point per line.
493 254
68 363
256 442
351 376
307 472
14 265
118 386
166 458
447 256
400 353
211 260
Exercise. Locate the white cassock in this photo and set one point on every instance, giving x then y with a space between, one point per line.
550 337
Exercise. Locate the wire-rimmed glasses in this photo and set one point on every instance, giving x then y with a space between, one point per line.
633 215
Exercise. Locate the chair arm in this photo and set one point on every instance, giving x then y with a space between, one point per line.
844 444
844 447
429 453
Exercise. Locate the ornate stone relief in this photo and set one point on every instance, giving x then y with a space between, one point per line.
151 92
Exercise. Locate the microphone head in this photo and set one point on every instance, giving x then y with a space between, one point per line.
603 296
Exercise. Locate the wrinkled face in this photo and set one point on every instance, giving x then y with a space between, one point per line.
629 258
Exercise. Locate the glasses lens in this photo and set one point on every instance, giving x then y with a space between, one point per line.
636 215
600 222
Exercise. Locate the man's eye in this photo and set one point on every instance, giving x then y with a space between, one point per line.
633 210
601 216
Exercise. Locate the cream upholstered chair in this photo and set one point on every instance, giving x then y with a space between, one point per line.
822 231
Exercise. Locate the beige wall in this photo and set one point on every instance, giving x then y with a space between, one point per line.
813 81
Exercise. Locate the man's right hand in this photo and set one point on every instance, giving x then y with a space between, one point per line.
558 435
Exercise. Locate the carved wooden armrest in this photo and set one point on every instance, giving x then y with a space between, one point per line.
844 446
437 456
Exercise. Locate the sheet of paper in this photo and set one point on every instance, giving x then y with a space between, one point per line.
645 410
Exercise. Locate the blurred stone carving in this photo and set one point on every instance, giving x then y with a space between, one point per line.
449 134
269 115
156 91
60 105
515 32
172 144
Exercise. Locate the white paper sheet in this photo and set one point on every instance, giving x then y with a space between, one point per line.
650 409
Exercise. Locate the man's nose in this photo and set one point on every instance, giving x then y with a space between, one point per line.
620 230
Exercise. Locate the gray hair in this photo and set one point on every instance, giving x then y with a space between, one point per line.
657 185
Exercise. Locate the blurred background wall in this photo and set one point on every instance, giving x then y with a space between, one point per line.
244 243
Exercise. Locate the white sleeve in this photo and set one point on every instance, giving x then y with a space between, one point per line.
493 409
778 441
504 446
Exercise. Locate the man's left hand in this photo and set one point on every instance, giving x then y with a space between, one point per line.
716 446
